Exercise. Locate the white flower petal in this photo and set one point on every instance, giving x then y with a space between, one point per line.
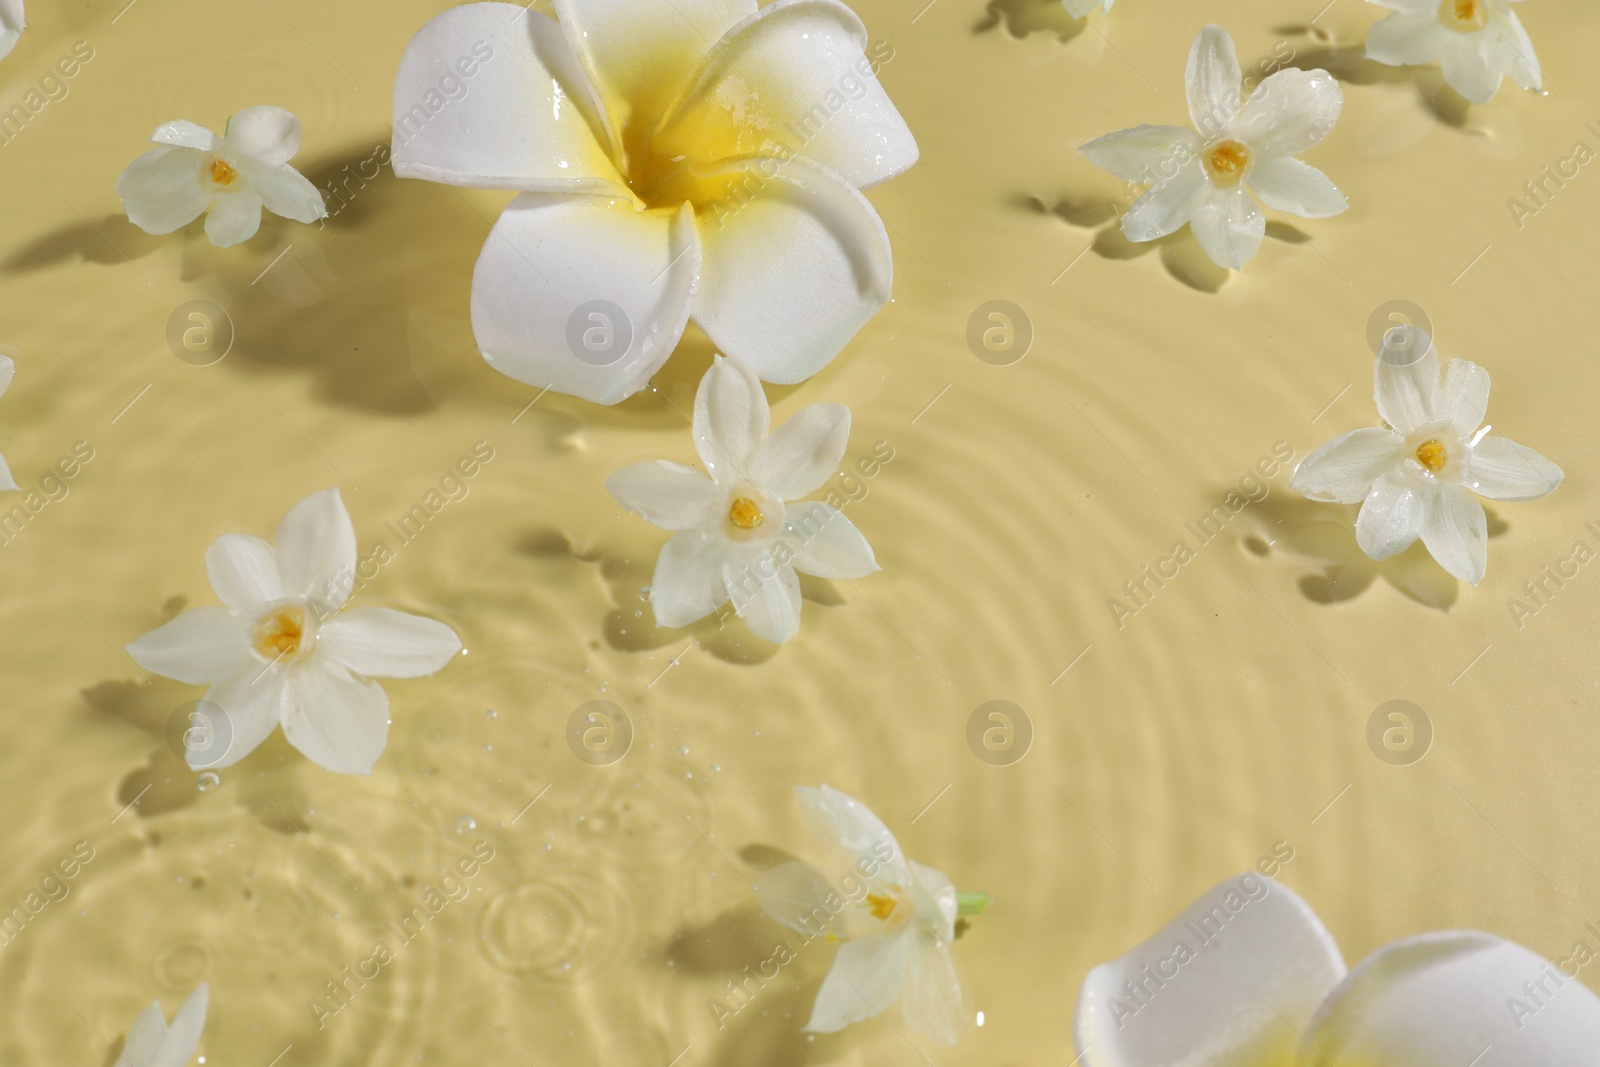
12 23
1456 532
183 1039
8 371
1406 378
1253 955
842 822
384 643
286 192
6 480
1149 155
825 543
796 261
316 548
234 218
766 594
1504 470
244 572
1291 111
930 997
866 979
554 274
1449 998
1407 38
200 647
1517 57
266 135
1229 226
1463 396
639 53
1166 207
1471 64
523 120
937 887
669 495
1391 517
731 419
798 73
340 723
796 895
1212 83
181 133
1344 469
161 190
804 452
1297 188
687 584
144 1038
246 709
1082 9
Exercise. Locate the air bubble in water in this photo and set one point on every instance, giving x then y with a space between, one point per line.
209 781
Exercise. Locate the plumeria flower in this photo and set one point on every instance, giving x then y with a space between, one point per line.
152 1044
228 179
8 370
676 159
741 536
1248 975
1412 476
1082 9
12 23
895 917
1205 176
1475 42
279 652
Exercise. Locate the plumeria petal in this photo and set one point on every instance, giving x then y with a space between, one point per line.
266 135
731 419
1300 189
1406 378
161 190
316 548
184 1037
797 70
1291 111
339 722
1344 469
865 980
797 895
842 822
804 452
1149 155
1504 470
527 123
145 1036
1451 998
825 543
1456 532
200 647
1215 986
669 495
286 192
1463 396
181 133
554 274
1229 226
1471 64
244 572
384 643
234 218
1407 38
1166 207
252 703
793 269
1391 517
687 584
766 593
1212 83
931 997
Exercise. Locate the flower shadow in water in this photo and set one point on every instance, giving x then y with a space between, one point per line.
1348 62
1180 253
1322 536
1022 18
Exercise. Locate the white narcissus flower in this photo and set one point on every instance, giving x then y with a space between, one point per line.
8 370
1082 9
1205 176
1475 42
1248 975
1411 477
12 23
896 919
741 534
280 652
677 159
152 1044
228 178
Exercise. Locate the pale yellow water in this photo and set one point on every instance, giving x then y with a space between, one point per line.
1227 715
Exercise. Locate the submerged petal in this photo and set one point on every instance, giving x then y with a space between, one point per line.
930 997
687 584
1212 83
584 295
669 495
1300 189
1406 38
1291 111
1504 470
161 190
1148 155
340 723
825 543
793 269
234 217
865 980
145 1036
1229 226
766 593
842 822
798 896
731 419
1456 531
316 548
183 1039
1344 469
804 452
1215 986
384 643
266 135
200 647
1391 517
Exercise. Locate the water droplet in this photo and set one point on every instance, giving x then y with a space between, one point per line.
490 714
465 823
683 750
716 768
644 593
209 781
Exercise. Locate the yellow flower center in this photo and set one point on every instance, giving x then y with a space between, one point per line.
1468 16
283 633
882 907
1227 162
1432 455
222 173
745 513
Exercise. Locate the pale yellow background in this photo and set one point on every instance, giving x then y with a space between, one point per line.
1176 751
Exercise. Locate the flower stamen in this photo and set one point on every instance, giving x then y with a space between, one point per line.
882 907
222 172
1468 16
283 633
745 514
1432 455
1227 162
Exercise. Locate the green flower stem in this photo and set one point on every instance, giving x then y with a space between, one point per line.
971 903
